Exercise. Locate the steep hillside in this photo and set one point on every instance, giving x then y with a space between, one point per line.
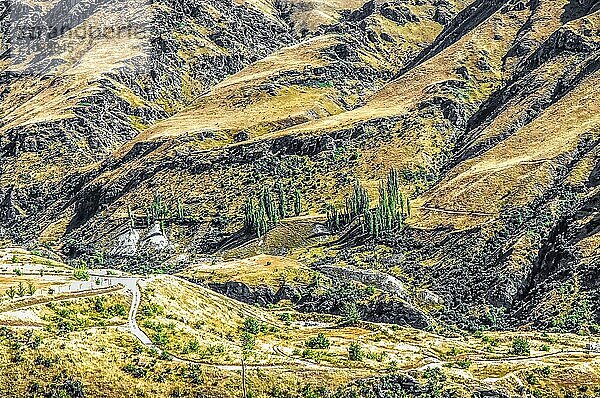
80 79
486 110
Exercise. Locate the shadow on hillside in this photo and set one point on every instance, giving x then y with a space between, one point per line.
579 8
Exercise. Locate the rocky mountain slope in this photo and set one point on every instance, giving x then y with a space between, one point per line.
152 141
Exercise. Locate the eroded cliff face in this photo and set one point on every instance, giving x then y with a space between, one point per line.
489 110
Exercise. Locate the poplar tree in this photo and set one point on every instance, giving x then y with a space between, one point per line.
249 215
333 218
389 212
297 203
180 209
269 207
260 219
357 203
282 202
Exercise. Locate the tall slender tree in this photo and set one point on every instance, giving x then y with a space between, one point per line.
248 342
389 212
282 204
357 203
268 205
297 203
261 220
180 209
249 215
333 218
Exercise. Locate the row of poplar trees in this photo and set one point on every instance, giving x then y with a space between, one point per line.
388 215
160 210
265 212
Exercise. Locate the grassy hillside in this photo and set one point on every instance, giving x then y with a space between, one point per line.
426 164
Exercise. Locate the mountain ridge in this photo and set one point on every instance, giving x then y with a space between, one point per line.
463 109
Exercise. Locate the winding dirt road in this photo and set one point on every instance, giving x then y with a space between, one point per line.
131 284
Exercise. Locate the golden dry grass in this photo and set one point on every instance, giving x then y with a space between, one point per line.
518 168
258 270
413 149
97 353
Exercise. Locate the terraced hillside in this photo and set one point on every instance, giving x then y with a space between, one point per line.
432 162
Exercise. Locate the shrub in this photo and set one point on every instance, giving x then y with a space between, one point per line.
117 309
355 352
285 317
545 371
377 356
161 338
151 310
350 314
252 326
215 349
308 353
135 370
313 392
531 378
520 346
463 364
11 292
31 289
81 273
392 366
21 289
192 346
435 380
46 362
64 326
99 304
64 386
453 352
490 340
319 341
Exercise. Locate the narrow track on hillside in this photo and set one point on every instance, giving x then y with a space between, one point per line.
541 356
457 212
32 301
133 286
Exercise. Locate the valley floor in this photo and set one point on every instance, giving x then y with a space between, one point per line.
163 336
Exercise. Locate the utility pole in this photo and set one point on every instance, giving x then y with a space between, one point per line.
244 392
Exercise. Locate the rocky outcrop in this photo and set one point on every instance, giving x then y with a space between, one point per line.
259 295
126 244
388 308
155 240
8 208
131 242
